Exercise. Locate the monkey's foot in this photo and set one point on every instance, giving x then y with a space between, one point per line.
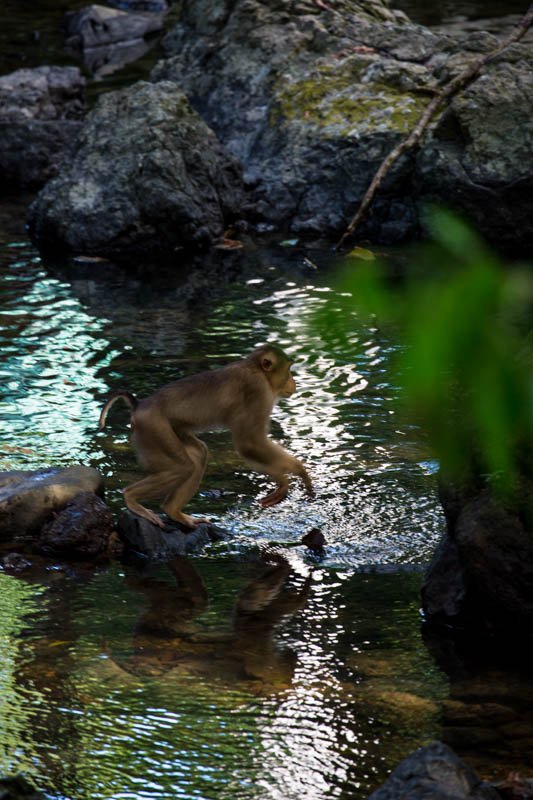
275 497
187 520
151 516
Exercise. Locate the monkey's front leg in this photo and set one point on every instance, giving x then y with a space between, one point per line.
270 458
276 496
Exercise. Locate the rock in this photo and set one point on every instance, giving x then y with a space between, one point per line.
15 562
28 498
146 175
482 575
44 93
17 787
269 80
434 771
102 61
40 113
30 152
312 101
97 25
82 529
157 6
314 540
479 158
443 589
148 539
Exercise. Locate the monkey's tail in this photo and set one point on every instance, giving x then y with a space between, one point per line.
127 396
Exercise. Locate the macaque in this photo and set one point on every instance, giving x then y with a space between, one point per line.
238 397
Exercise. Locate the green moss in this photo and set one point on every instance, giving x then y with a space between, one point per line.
337 96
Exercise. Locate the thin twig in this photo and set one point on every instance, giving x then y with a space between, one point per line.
445 93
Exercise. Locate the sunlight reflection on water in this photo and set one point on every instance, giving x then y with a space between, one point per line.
59 356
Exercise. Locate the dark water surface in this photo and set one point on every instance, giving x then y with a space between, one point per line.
253 670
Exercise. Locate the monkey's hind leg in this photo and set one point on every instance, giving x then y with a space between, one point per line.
186 486
150 488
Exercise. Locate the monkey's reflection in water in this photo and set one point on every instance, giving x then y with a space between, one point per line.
167 638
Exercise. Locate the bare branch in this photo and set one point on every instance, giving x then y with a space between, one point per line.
445 93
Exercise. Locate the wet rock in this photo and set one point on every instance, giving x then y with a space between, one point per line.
97 25
159 544
146 175
314 540
157 6
29 498
106 39
481 578
15 562
40 113
312 101
434 771
83 529
17 787
102 61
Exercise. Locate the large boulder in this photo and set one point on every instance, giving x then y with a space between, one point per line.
434 772
29 498
40 114
146 176
311 97
481 577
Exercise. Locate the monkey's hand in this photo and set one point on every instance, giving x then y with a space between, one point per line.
274 497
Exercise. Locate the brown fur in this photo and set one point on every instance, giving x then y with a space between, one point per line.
239 397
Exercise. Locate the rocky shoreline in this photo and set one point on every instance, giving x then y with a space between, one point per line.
293 106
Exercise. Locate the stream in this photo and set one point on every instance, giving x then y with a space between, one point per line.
254 670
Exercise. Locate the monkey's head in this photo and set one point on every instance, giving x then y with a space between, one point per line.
276 366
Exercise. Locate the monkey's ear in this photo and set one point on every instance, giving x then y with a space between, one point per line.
267 364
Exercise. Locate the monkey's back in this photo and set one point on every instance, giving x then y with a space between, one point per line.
219 398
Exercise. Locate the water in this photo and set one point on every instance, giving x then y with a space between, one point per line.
191 714
254 670
71 336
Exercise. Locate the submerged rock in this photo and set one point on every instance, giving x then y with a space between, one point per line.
146 175
40 114
311 97
29 498
434 772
